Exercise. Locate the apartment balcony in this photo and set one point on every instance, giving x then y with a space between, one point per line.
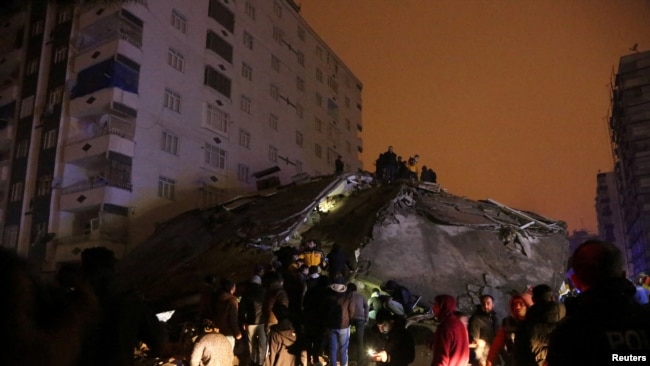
105 26
101 101
91 193
105 49
68 249
84 150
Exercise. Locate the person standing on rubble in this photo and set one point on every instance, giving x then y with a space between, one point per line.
312 255
338 165
389 161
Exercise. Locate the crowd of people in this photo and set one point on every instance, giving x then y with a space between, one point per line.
390 166
302 310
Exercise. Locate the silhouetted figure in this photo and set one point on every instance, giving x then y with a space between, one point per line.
338 165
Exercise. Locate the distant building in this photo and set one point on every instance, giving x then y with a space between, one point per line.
608 212
116 117
578 237
630 133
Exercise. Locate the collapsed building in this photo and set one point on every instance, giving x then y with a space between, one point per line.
415 233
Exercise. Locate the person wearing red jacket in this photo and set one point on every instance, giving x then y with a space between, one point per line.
451 340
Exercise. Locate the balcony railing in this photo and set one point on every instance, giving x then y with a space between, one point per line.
95 182
104 131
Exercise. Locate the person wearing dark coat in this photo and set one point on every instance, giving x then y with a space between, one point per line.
451 341
226 312
483 326
283 350
531 344
338 165
314 322
398 348
606 322
251 317
337 262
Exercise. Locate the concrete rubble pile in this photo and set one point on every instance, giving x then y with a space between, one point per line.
417 234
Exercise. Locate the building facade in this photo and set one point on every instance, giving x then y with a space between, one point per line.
608 213
630 134
115 118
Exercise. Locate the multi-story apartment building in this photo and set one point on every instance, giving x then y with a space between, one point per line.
630 133
608 213
114 118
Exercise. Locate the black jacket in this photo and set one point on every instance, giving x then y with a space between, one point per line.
251 304
605 321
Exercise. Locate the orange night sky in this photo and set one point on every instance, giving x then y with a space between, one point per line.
503 99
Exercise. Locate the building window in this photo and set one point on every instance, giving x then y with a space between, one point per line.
275 63
172 100
318 151
298 166
217 81
10 237
273 122
16 193
44 186
277 35
216 118
22 148
245 139
220 12
301 58
60 54
169 143
209 196
242 173
319 100
49 139
248 40
166 187
333 84
250 10
64 15
37 28
300 83
277 9
348 125
273 154
301 33
319 52
55 97
176 60
32 66
319 75
245 104
275 92
179 21
246 71
300 112
318 124
347 102
299 138
215 156
218 45
27 107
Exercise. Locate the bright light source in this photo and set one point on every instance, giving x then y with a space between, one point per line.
165 315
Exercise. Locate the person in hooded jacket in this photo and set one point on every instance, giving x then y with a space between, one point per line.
283 350
451 341
504 341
